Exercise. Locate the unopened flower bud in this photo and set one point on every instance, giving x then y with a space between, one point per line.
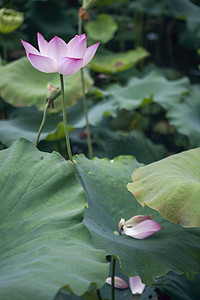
10 20
53 92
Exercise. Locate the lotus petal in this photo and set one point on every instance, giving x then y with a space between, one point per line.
143 229
68 65
72 43
42 44
43 63
57 48
136 285
119 282
29 48
89 54
136 220
79 50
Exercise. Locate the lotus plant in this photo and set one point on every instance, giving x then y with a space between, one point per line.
61 57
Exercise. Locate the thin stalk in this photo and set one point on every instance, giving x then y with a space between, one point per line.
148 146
65 119
98 295
79 26
90 151
5 52
135 22
42 123
169 43
142 22
113 278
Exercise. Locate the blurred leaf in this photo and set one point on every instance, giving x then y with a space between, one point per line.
111 144
102 29
44 244
118 62
179 287
25 122
184 116
105 184
107 2
96 112
51 21
152 88
22 85
151 7
58 134
186 10
172 187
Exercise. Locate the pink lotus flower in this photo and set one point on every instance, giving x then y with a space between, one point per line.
139 227
57 56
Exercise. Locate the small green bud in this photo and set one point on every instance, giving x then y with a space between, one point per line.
10 20
53 92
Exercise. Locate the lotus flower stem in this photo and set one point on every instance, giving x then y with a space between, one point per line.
5 53
42 123
113 278
65 119
90 152
98 295
148 146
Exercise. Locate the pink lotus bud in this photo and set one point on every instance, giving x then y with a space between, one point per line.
138 227
119 282
136 285
53 92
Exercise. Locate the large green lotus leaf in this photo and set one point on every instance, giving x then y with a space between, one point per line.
172 248
22 85
184 116
44 244
171 186
154 87
118 62
103 28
